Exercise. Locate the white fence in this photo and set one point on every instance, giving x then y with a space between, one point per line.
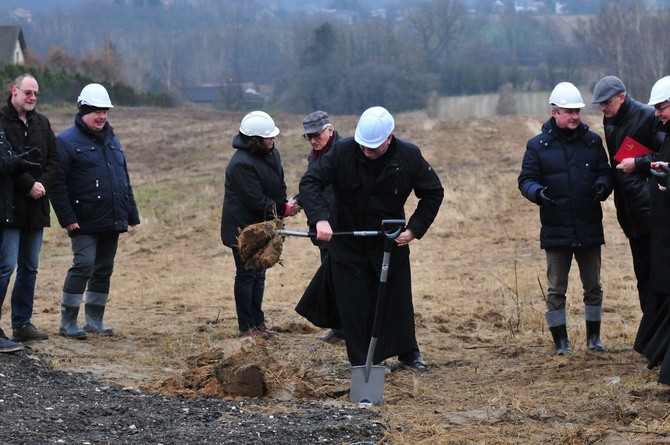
484 105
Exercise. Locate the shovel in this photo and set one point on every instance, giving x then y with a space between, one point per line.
367 381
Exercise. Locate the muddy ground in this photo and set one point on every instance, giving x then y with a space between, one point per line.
478 280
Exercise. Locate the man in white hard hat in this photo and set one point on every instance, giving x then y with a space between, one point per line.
372 175
565 172
94 201
21 241
627 123
653 343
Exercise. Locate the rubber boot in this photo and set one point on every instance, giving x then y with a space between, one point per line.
560 335
592 316
556 320
94 311
69 311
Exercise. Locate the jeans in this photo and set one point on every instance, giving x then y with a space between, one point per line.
20 248
93 262
249 288
559 261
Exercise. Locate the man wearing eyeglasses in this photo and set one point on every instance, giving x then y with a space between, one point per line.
320 133
565 172
626 119
21 239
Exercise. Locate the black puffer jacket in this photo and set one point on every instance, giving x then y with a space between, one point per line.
29 212
255 190
569 164
631 190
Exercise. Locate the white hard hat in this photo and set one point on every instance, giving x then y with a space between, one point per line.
94 95
374 126
660 92
258 123
566 95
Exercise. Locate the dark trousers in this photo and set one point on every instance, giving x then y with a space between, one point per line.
248 289
640 248
559 261
93 262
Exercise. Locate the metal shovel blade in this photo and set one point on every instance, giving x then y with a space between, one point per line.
367 390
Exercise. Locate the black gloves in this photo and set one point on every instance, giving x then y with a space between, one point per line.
18 165
600 191
661 177
31 154
543 199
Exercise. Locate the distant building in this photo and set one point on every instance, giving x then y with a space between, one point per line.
225 95
203 94
12 46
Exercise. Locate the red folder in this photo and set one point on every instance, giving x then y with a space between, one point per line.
630 148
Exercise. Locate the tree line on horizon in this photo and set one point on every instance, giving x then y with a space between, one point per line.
343 61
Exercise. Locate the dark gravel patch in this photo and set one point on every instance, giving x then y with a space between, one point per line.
39 405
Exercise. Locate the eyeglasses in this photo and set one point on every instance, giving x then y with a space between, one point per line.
310 136
29 93
658 107
569 110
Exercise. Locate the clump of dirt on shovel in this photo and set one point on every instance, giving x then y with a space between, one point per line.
260 244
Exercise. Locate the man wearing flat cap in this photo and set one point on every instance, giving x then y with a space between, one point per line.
320 133
625 117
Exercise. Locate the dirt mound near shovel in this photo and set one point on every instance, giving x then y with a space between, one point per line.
253 368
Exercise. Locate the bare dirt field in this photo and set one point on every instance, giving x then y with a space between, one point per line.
478 277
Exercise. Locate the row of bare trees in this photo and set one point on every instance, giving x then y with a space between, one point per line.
345 60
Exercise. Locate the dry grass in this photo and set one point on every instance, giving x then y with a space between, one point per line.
477 295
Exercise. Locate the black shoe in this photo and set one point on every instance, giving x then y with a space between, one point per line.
28 332
414 362
267 332
7 345
333 335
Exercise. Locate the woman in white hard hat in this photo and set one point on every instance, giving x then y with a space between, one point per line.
94 201
654 343
254 191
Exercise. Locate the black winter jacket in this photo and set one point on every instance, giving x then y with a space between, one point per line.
6 181
368 192
569 164
29 212
631 190
328 193
254 189
659 215
93 187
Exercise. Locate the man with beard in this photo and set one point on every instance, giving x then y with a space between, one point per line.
21 240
